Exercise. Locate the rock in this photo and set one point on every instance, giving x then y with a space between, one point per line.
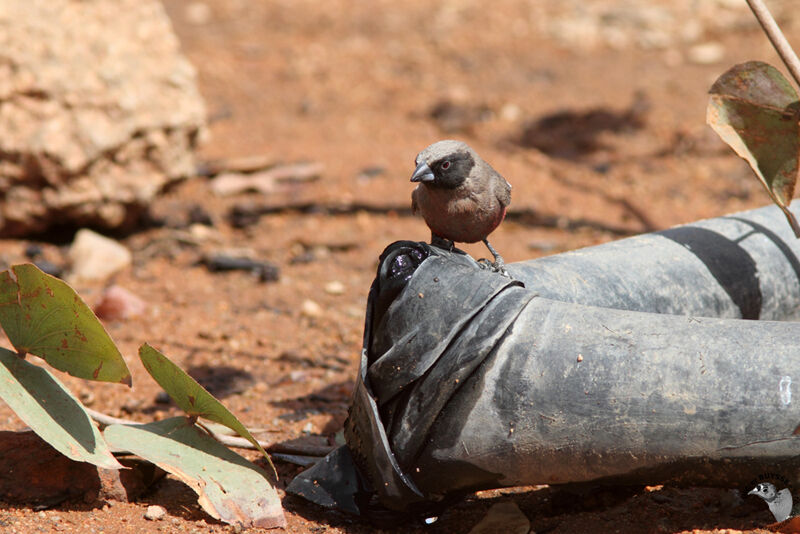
49 267
311 309
97 116
707 53
198 13
50 477
155 513
267 181
503 517
334 287
118 304
96 257
266 271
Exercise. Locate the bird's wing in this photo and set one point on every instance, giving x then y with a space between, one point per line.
781 507
503 191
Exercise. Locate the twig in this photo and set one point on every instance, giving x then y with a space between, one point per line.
776 37
230 441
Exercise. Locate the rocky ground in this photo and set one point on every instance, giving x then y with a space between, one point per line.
594 113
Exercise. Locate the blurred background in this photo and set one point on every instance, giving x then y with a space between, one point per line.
252 158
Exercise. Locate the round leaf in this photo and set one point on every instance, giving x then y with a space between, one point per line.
754 109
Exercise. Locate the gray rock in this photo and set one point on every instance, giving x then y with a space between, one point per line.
98 111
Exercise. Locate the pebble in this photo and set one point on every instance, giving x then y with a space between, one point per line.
118 304
155 513
334 287
266 271
50 268
198 13
311 309
95 257
706 53
543 246
33 251
510 112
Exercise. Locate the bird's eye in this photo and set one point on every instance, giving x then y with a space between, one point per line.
445 165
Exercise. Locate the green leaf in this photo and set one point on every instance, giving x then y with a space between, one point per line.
229 487
42 315
190 396
754 109
45 405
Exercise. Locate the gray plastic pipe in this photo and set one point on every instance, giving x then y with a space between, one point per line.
470 380
745 266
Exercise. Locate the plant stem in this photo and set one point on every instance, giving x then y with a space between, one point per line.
776 37
230 441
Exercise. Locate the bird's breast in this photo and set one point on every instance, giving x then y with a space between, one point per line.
457 214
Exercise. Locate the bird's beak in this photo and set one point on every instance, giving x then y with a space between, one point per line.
752 491
422 173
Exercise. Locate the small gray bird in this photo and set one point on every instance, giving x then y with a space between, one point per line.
460 196
779 502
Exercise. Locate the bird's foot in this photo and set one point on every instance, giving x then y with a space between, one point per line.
494 266
498 266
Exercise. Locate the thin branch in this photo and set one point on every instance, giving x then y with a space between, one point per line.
106 420
229 441
776 37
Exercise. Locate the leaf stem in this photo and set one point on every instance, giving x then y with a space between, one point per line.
776 37
230 441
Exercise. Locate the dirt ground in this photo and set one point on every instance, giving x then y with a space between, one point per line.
602 134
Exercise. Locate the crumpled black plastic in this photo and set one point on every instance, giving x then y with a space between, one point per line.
433 317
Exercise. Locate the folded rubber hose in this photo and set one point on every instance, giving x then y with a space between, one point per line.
470 380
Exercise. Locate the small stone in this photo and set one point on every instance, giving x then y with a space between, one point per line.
50 268
334 287
202 232
33 251
266 271
542 246
118 304
197 13
311 309
368 173
510 112
580 358
95 257
706 53
162 397
155 513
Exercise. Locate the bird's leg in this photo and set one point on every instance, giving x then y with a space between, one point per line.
499 264
441 242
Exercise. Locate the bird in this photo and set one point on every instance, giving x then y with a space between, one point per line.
779 502
460 196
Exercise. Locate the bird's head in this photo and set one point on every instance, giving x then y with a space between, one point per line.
765 490
444 164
